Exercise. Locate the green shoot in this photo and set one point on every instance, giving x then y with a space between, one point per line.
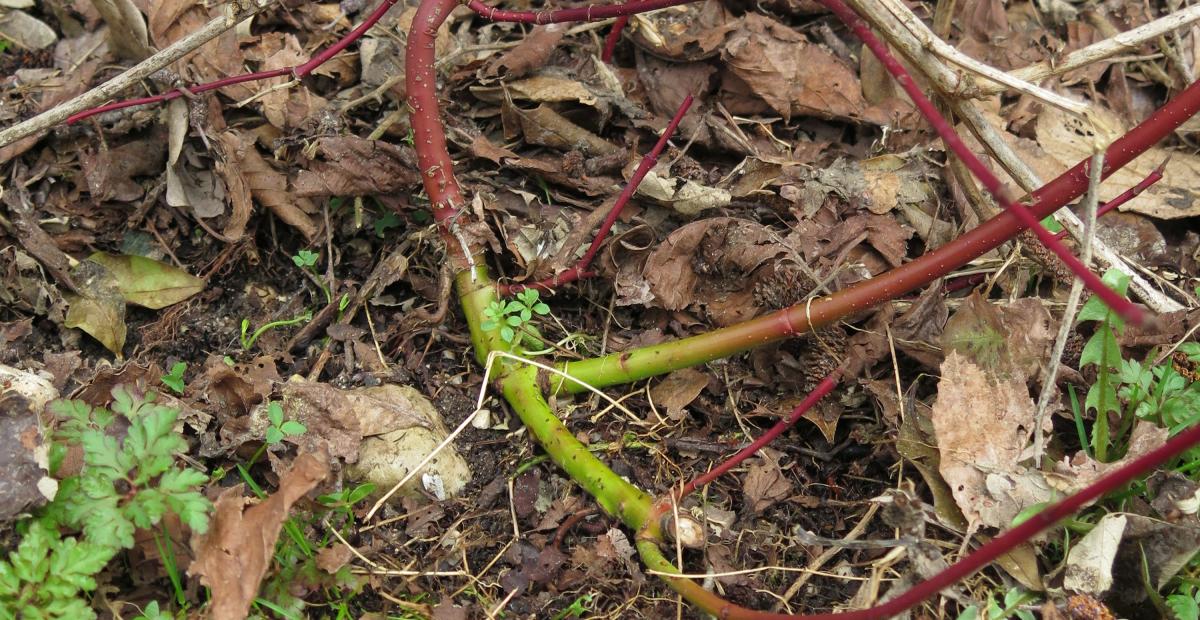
279 427
174 379
248 342
306 259
1102 351
513 316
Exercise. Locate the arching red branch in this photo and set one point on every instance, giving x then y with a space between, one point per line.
990 182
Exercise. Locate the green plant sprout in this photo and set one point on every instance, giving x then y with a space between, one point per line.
248 342
124 484
306 260
514 315
386 222
1013 600
577 608
1102 351
279 427
174 379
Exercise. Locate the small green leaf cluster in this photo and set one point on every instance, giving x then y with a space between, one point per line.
1128 387
1160 394
174 379
513 315
1184 604
1014 599
43 577
123 485
306 259
279 427
130 484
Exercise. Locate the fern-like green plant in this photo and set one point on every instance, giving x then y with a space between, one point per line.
130 484
124 484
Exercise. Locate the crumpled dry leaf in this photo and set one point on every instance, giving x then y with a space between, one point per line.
171 20
235 553
353 166
26 31
286 108
110 171
542 125
1177 195
270 187
981 422
1090 562
198 189
765 483
686 32
146 282
532 52
683 195
677 390
540 88
793 76
713 264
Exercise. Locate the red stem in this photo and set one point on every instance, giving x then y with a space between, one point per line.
1126 195
580 270
429 139
614 35
823 388
1118 303
296 72
588 13
968 565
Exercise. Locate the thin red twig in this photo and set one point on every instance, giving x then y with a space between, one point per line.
580 270
950 137
589 13
296 72
614 35
823 388
1127 195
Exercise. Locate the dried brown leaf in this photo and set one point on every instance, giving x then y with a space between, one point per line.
235 553
794 76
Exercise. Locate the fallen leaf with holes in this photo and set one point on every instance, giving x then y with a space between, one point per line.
1176 195
677 390
235 553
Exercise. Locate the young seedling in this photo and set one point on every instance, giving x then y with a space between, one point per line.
248 339
512 317
306 260
279 427
174 379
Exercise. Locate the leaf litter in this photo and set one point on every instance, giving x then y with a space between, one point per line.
799 170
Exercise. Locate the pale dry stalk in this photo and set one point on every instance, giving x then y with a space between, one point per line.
235 13
948 82
1091 202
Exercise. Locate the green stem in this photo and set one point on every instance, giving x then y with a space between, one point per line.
618 497
659 359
